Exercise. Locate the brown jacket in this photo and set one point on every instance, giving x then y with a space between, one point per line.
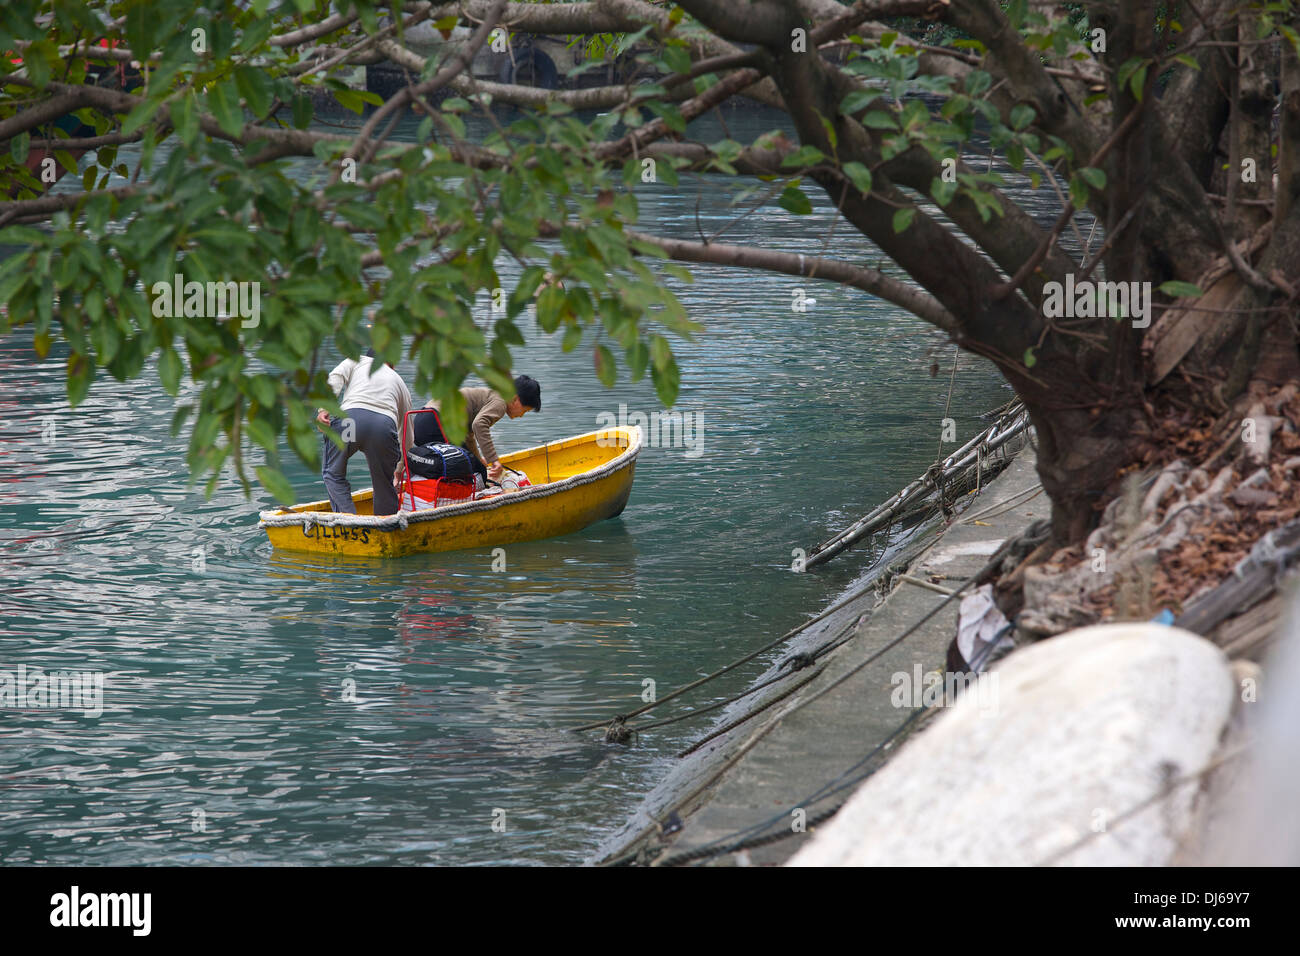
484 409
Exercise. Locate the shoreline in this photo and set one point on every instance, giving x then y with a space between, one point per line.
778 745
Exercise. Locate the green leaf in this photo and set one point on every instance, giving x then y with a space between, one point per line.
1139 82
793 200
977 81
667 382
669 113
1095 177
185 118
274 481
19 147
1015 155
81 372
550 308
661 352
302 112
804 156
638 357
903 219
878 120
677 58
179 417
1021 116
1179 289
606 371
942 191
169 370
351 100
256 33
262 434
1126 70
139 115
223 104
859 100
859 175
40 59
255 87
1030 359
1078 191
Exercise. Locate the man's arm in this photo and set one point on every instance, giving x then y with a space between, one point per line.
338 379
342 375
403 424
403 406
488 416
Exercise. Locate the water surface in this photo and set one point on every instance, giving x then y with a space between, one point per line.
268 707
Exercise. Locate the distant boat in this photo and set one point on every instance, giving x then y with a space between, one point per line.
574 483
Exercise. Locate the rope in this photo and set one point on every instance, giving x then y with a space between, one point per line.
834 786
956 352
636 728
714 735
619 732
1139 807
988 566
936 478
1002 507
688 856
733 665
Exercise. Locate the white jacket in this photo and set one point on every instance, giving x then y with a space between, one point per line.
377 389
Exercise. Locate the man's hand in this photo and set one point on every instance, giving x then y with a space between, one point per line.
494 470
323 417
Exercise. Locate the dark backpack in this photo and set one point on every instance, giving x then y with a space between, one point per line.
439 460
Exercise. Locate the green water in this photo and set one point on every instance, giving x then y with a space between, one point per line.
228 732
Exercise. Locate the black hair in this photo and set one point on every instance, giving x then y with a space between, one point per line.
529 392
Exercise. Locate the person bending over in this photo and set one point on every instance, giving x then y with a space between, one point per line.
375 400
484 408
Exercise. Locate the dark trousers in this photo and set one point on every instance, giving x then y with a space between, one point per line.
375 436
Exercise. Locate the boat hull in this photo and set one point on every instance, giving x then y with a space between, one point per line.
589 482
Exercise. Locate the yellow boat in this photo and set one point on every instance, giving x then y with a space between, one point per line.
574 483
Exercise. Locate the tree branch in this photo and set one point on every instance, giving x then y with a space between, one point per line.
868 280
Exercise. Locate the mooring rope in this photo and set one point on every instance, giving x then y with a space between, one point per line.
938 453
988 566
829 789
730 667
618 731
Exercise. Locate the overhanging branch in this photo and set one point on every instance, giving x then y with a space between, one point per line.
808 267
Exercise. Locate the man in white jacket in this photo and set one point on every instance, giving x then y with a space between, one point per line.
375 403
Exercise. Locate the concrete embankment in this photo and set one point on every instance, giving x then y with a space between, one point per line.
798 748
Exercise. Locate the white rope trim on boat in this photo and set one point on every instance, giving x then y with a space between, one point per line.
401 520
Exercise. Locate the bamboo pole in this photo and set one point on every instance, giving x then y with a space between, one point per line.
1012 423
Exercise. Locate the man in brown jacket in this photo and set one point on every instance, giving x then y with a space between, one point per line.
484 408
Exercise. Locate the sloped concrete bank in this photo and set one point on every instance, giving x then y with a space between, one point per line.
1080 762
752 793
